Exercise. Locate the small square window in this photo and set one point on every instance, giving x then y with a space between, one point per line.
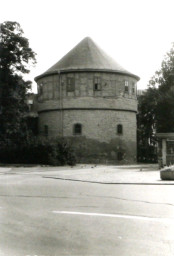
70 84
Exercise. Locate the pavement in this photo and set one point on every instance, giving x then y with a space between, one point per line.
147 174
43 213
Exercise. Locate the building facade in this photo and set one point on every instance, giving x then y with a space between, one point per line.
165 149
91 100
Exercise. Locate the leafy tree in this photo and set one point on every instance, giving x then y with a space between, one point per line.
15 59
163 82
146 125
156 106
164 78
147 114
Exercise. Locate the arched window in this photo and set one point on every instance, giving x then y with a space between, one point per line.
119 129
77 129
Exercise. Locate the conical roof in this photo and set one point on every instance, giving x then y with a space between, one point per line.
87 56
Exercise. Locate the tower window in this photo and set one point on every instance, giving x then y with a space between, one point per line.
46 130
126 86
133 88
97 84
119 129
70 84
77 129
40 88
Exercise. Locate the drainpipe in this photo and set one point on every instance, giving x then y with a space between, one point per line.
60 102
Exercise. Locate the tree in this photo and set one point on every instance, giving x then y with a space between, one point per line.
156 106
15 58
146 125
164 78
163 81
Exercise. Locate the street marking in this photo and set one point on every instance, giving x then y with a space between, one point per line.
112 215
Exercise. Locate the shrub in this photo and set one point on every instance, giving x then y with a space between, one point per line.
38 151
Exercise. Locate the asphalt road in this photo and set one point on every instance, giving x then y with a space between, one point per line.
48 217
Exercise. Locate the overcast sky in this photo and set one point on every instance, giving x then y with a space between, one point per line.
136 33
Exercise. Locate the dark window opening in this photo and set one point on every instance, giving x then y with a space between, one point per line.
119 129
126 87
46 130
77 129
96 87
70 84
119 156
97 84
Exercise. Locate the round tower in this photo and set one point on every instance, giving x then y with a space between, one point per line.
91 100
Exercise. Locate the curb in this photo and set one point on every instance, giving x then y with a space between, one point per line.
110 183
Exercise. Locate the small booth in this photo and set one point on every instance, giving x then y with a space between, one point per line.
165 149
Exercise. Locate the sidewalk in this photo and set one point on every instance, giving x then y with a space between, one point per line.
132 174
143 174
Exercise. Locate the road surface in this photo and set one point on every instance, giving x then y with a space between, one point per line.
48 217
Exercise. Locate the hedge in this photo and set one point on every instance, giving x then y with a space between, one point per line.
38 151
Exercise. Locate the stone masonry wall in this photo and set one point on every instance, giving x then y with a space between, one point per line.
52 121
99 113
97 126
